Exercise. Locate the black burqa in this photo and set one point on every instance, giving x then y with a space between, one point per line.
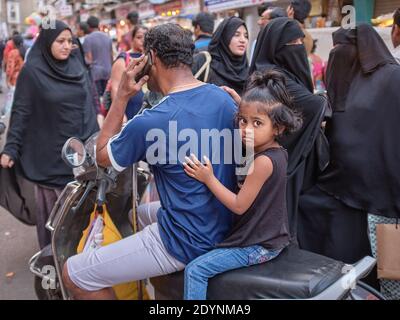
363 175
364 129
53 102
226 68
273 53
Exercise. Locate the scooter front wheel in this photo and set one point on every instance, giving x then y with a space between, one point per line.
46 294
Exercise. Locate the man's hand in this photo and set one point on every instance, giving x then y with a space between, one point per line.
113 122
6 161
235 96
127 86
290 12
195 169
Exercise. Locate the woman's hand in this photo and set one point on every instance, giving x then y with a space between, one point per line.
195 169
6 161
128 87
235 96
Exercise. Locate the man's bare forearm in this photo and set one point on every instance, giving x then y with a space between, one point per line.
113 122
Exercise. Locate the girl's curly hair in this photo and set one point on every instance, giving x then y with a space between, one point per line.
269 90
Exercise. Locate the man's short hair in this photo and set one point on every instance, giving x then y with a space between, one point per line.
276 12
172 43
302 9
205 21
84 27
93 22
263 7
133 17
396 17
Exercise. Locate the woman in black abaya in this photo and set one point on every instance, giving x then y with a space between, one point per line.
363 175
229 66
53 102
280 48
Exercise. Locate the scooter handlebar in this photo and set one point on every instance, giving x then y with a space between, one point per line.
101 192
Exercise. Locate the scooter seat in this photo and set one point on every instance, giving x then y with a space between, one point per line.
294 274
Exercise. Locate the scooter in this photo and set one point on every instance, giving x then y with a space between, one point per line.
93 185
295 274
3 127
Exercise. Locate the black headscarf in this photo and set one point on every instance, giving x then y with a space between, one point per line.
343 66
272 51
19 44
302 9
53 101
231 70
363 132
69 70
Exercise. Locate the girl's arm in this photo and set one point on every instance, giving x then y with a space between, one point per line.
260 170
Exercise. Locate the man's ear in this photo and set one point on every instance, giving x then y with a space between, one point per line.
156 62
154 57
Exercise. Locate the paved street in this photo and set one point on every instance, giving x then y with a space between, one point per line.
18 243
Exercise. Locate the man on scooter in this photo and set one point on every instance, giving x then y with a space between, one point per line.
189 220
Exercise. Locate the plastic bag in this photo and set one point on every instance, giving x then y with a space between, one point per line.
125 291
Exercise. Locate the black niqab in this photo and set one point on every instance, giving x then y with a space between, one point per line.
232 70
53 101
363 135
343 66
304 160
272 51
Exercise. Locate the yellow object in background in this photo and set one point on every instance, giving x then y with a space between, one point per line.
125 291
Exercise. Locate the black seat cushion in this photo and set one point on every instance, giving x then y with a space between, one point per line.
294 274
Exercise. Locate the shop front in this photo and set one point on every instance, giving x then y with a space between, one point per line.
328 13
176 11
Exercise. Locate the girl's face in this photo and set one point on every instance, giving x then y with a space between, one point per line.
138 41
256 128
62 46
239 42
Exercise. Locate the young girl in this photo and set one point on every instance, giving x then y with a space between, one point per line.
261 230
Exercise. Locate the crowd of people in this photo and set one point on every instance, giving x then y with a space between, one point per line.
324 172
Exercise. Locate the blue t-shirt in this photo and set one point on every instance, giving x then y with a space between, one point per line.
191 220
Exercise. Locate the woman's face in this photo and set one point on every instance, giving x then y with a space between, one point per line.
295 42
138 41
239 42
62 46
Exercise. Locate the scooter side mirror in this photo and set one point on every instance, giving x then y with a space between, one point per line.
73 153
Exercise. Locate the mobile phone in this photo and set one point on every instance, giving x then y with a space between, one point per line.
146 69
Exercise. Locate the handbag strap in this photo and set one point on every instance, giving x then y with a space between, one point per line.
205 66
